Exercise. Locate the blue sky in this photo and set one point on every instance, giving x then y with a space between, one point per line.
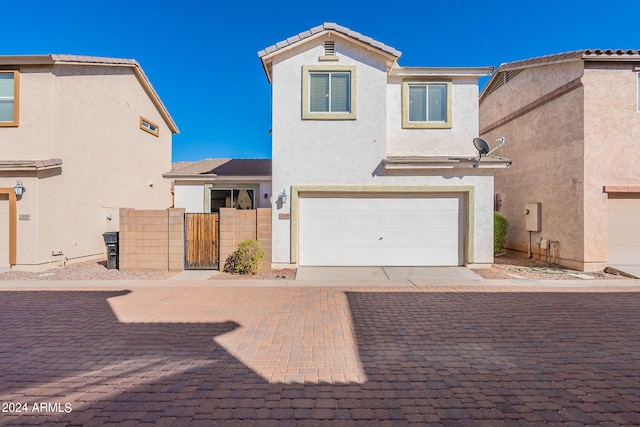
201 56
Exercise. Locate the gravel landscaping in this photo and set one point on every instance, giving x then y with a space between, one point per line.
516 265
89 270
511 265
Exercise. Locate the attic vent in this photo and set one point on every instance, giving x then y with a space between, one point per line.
329 48
501 79
511 74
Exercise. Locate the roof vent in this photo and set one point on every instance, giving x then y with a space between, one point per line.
329 48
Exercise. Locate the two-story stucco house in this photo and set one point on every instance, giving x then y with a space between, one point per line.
573 122
80 137
373 163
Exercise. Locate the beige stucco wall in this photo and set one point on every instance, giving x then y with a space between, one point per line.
526 87
89 117
547 151
612 132
566 151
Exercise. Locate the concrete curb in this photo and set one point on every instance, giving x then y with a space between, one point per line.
515 284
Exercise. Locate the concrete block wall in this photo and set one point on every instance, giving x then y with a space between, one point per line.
239 225
152 239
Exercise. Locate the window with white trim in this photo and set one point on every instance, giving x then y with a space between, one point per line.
638 86
328 93
426 104
9 97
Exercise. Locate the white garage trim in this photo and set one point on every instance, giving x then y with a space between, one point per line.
467 193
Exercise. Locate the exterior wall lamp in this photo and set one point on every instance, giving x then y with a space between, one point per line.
283 197
19 188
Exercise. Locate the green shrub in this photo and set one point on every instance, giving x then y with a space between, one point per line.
246 260
500 226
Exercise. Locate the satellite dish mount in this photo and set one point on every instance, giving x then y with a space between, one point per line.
483 147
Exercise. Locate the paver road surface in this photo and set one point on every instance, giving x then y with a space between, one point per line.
190 355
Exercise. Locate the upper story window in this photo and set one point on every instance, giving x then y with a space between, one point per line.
149 126
328 92
639 92
426 104
9 97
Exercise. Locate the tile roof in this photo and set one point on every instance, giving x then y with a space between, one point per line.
508 70
586 54
95 60
221 167
329 26
29 164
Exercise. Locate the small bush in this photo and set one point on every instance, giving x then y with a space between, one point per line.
246 260
231 263
500 226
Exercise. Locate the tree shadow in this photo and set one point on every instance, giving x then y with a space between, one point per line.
453 358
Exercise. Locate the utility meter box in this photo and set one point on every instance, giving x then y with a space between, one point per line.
532 217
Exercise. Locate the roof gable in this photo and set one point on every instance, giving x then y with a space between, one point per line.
266 55
96 60
510 69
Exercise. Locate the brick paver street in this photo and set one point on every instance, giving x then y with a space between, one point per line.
191 355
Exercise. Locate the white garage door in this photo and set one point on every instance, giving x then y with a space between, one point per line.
623 240
381 230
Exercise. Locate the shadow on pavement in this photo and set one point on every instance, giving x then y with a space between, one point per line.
453 358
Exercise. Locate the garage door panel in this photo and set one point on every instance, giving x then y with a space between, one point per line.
444 238
623 237
379 257
423 230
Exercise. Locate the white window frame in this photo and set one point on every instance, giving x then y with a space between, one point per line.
15 99
231 188
409 124
307 114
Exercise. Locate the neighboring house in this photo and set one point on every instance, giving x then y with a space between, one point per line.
84 136
208 185
572 122
373 163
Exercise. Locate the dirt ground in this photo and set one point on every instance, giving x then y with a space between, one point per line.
89 270
516 265
511 265
284 274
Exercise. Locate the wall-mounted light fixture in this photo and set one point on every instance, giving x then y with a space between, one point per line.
283 197
266 196
19 188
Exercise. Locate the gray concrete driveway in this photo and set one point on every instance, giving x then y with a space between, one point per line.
384 274
190 354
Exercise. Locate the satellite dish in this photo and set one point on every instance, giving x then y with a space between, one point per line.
482 146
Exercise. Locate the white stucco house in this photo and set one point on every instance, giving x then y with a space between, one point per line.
207 185
373 163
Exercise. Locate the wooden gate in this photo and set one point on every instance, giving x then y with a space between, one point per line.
201 241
